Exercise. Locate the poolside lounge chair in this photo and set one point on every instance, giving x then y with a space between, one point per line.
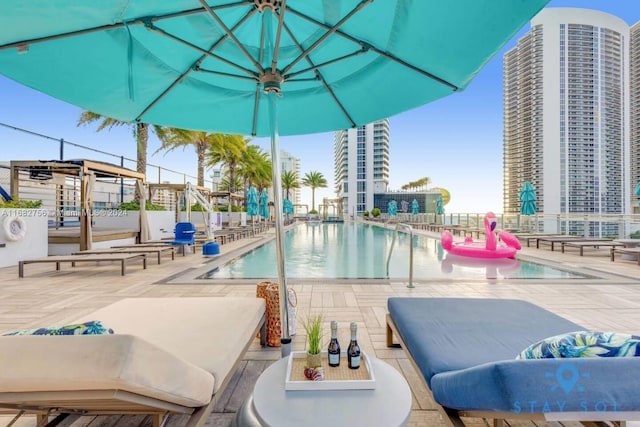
465 351
167 356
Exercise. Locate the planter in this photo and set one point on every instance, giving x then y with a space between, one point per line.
314 360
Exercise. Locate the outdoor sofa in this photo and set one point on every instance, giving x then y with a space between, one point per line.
166 356
465 351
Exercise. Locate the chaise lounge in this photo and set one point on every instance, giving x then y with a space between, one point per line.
167 356
465 351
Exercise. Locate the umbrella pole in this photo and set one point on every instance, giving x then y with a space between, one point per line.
285 340
272 90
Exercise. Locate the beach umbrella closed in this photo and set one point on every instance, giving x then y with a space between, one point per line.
252 202
287 207
258 67
415 206
404 206
392 208
638 191
264 204
528 199
439 206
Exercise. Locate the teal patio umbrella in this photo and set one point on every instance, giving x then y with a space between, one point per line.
439 206
415 206
264 204
528 199
258 67
287 207
252 202
392 208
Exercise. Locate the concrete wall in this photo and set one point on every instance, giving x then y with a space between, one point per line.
32 245
161 223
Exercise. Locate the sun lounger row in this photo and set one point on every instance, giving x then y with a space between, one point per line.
568 241
58 260
167 356
465 352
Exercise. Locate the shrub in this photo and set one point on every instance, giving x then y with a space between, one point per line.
197 207
365 213
234 208
135 206
635 235
20 204
375 212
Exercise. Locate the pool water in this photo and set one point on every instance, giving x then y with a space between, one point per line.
353 250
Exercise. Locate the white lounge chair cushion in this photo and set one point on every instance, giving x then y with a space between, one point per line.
100 362
210 333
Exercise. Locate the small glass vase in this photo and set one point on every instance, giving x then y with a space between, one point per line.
314 360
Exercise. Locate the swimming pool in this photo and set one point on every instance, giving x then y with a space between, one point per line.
353 250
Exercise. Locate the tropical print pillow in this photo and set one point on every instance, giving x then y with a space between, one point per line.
584 344
93 327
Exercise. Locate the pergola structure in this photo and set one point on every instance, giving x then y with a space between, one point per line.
56 173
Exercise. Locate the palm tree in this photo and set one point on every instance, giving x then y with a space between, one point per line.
420 184
173 138
289 181
254 167
140 132
314 179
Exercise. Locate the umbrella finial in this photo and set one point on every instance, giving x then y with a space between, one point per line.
262 5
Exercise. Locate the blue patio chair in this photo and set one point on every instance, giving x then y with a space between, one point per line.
185 235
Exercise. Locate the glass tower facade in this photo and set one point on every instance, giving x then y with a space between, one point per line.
361 165
566 111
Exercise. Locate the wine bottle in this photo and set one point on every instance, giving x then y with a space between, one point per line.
334 346
353 351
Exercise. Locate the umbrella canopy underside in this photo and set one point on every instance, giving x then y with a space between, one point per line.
205 64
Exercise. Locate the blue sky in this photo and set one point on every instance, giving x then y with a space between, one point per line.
456 141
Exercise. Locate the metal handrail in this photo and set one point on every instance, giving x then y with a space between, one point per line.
395 235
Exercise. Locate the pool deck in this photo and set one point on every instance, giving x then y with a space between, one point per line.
609 301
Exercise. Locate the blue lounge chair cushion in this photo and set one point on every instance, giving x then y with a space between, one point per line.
584 344
465 349
93 327
542 385
447 334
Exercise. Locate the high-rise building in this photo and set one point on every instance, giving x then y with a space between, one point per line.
566 116
634 92
289 163
361 159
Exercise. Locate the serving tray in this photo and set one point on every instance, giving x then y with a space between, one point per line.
335 378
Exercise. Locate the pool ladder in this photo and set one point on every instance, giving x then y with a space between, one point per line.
395 236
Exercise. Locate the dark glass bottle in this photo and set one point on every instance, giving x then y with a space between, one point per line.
334 346
353 351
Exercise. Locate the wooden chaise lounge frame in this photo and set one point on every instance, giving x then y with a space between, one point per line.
63 404
453 417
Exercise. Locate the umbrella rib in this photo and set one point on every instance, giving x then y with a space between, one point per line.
220 73
274 60
375 49
331 30
232 36
321 77
201 50
196 67
256 103
324 64
135 21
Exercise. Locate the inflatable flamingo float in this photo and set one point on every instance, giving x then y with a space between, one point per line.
489 248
